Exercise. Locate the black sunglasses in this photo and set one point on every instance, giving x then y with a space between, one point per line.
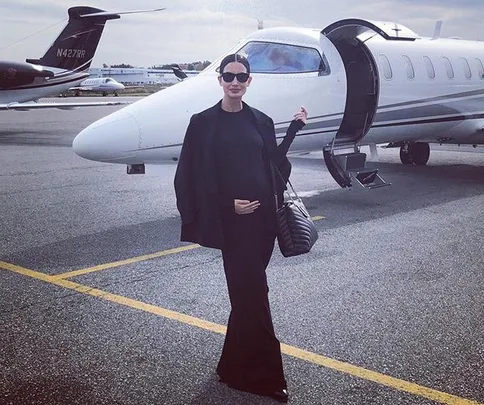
229 77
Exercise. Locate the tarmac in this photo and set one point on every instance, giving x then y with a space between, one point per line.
100 303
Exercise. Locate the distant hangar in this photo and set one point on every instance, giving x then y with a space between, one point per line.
133 76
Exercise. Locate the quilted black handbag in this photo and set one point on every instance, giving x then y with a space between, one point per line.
296 231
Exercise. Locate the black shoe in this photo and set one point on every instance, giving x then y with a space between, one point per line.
280 395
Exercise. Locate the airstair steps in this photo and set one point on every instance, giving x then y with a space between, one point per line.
346 167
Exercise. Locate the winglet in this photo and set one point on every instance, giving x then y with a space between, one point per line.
437 30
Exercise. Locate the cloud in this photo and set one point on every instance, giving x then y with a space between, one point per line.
201 30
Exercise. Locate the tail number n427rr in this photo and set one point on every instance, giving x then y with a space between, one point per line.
71 53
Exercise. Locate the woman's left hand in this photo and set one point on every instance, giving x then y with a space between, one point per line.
301 115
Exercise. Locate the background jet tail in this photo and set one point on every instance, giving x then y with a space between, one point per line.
74 48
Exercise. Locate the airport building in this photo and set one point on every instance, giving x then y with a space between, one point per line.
139 76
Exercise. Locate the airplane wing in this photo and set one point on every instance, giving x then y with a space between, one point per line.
61 106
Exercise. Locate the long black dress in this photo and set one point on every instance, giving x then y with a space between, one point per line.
251 357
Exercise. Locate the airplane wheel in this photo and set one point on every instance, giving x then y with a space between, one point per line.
105 93
420 153
406 154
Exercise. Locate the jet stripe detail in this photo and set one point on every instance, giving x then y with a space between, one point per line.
313 118
431 120
79 69
447 98
39 86
79 33
319 132
431 99
317 128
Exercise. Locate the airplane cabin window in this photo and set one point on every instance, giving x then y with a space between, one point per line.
269 57
387 68
408 67
467 68
480 68
430 67
448 67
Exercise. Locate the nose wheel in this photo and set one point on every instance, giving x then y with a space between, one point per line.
417 153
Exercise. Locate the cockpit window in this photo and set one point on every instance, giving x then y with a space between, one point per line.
269 57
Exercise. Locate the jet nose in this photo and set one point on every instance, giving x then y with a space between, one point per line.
111 139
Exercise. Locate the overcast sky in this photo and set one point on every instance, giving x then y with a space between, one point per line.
192 30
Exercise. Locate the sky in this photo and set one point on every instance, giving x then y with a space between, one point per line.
193 30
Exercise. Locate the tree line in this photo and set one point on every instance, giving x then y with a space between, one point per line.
185 66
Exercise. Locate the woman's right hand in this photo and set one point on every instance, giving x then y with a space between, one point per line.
301 115
243 207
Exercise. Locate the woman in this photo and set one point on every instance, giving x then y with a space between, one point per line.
225 195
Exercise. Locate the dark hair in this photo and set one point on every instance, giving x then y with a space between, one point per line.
234 57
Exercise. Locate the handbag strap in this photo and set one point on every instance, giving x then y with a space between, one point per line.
273 176
273 171
294 191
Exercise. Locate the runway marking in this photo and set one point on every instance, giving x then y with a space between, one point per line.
137 259
328 362
124 262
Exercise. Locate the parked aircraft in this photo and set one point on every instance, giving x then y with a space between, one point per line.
104 85
362 82
64 65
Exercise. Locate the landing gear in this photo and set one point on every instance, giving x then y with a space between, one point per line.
417 153
105 93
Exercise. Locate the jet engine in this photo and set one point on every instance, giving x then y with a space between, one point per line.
13 74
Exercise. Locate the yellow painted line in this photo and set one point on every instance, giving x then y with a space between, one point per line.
124 262
118 299
137 259
346 368
379 378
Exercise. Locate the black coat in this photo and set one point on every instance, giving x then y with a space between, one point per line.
198 198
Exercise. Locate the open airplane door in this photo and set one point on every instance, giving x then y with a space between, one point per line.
361 98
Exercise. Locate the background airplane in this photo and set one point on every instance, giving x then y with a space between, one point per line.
104 85
64 65
362 82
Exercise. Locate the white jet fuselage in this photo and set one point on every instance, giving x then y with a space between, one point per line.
376 91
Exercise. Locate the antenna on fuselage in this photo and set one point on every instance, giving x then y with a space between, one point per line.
437 30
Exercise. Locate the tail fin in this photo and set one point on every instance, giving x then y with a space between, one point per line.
74 48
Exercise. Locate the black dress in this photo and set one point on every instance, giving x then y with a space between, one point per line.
251 357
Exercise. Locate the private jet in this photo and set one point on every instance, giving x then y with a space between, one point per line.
104 85
64 65
363 83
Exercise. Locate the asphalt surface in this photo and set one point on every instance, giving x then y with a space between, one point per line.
394 285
